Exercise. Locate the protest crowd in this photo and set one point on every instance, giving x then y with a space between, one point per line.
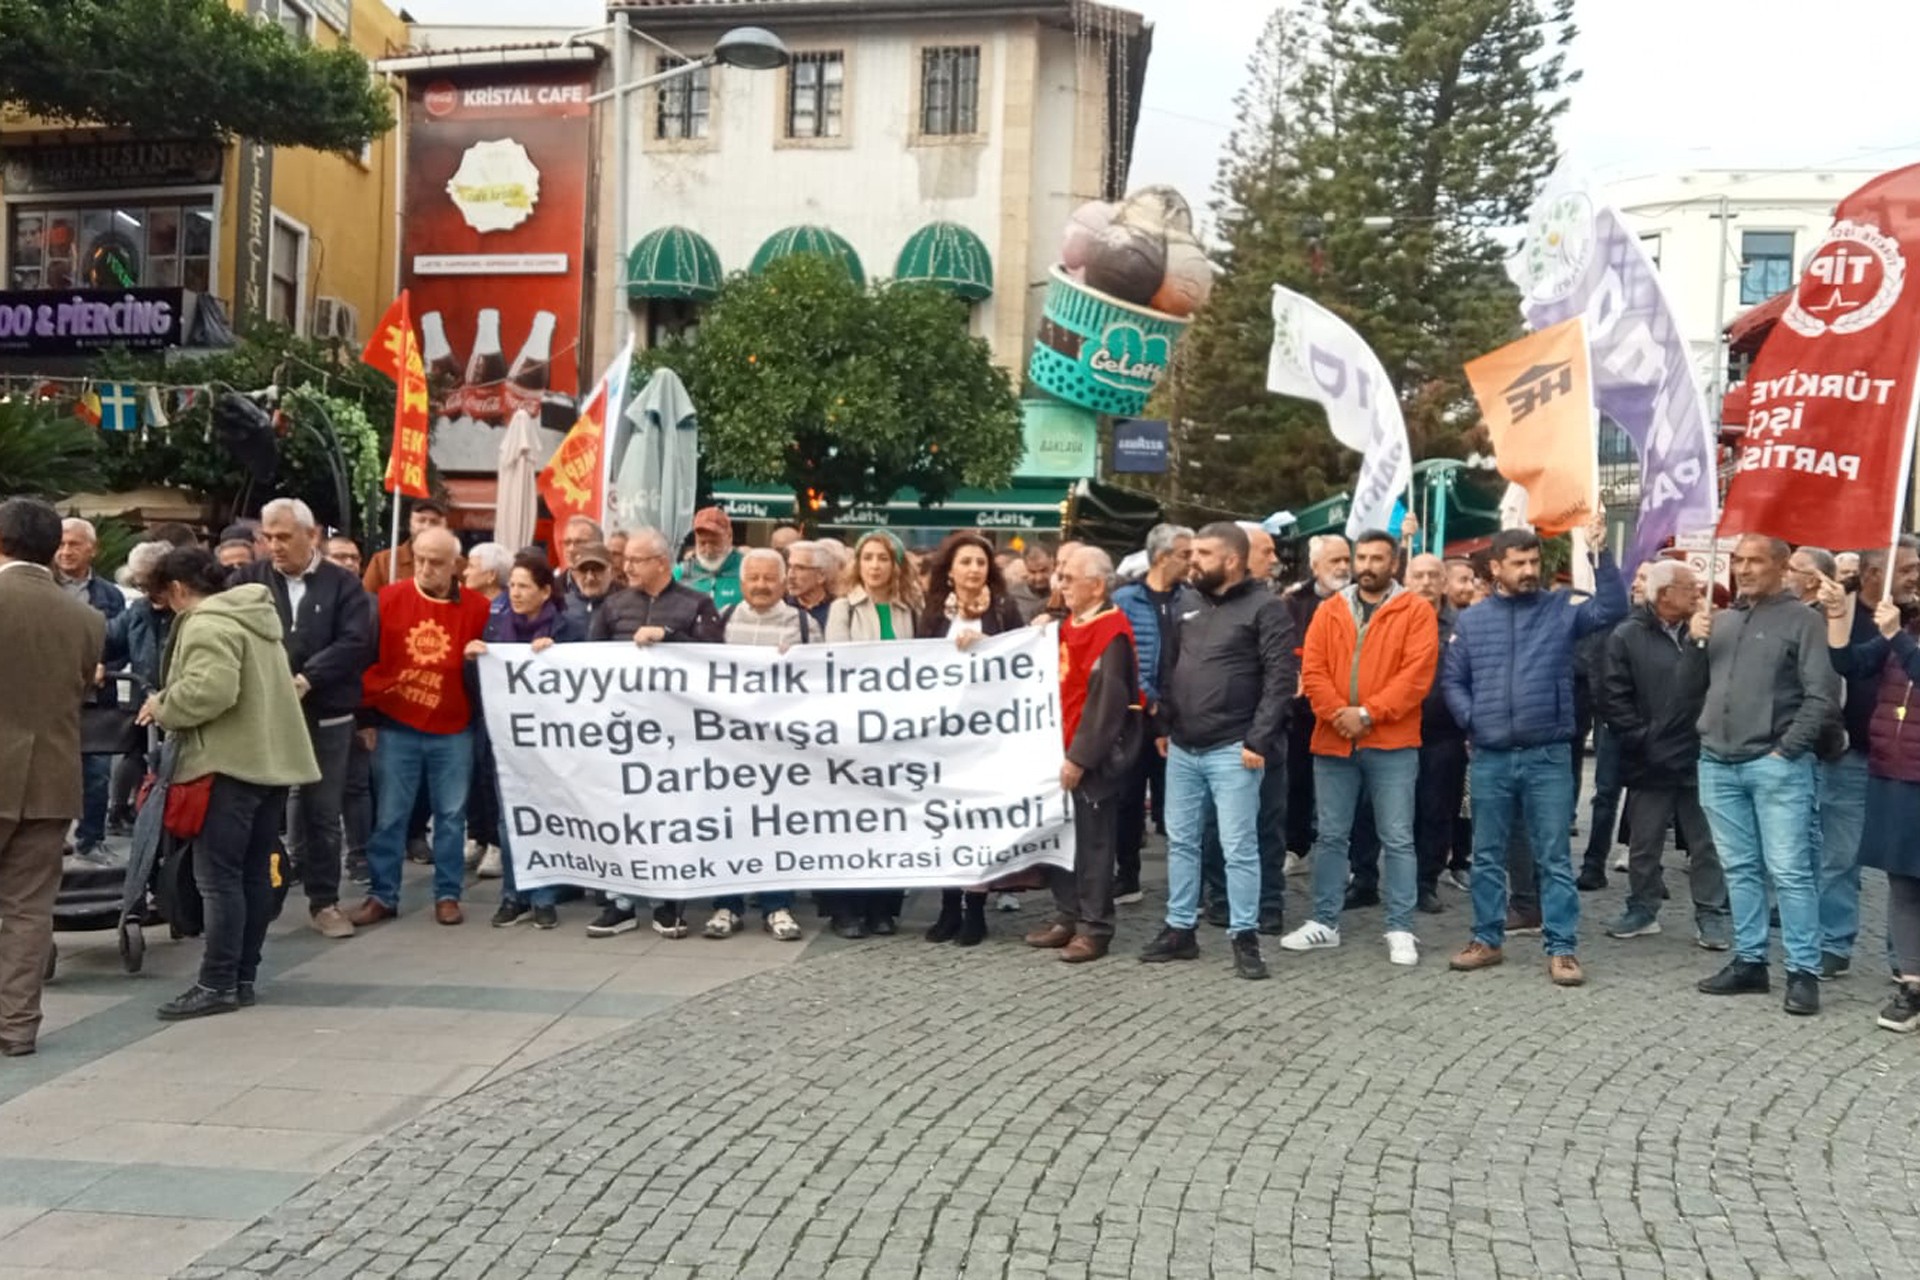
1395 730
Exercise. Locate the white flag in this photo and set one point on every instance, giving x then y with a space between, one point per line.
1317 356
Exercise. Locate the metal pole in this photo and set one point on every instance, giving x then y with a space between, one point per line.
623 211
1719 384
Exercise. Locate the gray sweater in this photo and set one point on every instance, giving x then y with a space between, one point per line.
1770 684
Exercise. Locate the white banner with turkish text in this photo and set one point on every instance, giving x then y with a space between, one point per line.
685 771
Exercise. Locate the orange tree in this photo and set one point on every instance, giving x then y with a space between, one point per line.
845 394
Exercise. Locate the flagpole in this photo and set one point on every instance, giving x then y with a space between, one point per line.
393 544
1906 477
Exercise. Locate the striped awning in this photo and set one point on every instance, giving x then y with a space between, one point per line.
814 240
948 255
673 262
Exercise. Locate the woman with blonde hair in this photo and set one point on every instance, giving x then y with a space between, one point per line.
881 602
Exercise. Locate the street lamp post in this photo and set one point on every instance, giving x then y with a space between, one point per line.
748 48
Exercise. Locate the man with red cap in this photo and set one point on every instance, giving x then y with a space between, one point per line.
714 568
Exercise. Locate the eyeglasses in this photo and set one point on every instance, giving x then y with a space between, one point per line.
590 568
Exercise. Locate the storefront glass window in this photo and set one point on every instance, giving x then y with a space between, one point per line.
110 246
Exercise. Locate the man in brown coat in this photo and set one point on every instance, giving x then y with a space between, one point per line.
53 646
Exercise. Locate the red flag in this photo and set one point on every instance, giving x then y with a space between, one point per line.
1828 438
395 351
574 481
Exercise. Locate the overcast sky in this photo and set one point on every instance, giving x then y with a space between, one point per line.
1668 83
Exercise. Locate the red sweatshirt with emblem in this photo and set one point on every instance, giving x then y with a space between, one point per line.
418 679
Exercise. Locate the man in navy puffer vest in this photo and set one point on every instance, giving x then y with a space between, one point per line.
1508 680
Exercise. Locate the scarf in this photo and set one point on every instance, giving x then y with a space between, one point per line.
525 630
1081 644
956 610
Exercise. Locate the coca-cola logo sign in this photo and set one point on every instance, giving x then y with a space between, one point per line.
440 99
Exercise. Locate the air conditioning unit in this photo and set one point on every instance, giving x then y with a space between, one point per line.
333 318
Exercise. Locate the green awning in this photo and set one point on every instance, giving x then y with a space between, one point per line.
1021 509
809 239
673 262
948 255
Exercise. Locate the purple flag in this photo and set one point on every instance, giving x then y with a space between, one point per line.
1580 260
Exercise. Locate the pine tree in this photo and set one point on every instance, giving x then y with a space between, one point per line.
1437 114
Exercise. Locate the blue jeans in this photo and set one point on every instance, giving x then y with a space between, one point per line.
1760 811
96 775
1199 781
402 758
779 900
1841 793
1389 778
1537 782
509 891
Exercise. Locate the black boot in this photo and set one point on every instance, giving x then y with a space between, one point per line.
947 927
973 925
1739 978
849 926
198 1002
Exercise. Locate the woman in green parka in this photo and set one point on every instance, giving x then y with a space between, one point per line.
227 697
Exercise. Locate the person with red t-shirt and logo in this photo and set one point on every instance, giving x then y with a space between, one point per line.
421 720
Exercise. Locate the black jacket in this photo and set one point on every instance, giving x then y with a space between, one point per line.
1651 697
1002 615
332 642
683 613
1233 666
1862 692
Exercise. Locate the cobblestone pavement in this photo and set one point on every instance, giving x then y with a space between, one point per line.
896 1109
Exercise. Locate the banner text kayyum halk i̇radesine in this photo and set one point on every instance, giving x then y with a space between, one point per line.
683 771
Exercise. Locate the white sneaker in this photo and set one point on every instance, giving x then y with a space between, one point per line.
1311 936
474 852
1007 902
1296 865
783 926
490 868
724 924
1402 948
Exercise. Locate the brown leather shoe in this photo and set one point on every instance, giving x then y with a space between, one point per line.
1083 949
1477 955
371 911
447 911
1050 936
1565 971
16 1049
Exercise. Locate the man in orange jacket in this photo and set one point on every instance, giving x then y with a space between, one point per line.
1365 668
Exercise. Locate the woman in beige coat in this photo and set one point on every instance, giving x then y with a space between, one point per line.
881 602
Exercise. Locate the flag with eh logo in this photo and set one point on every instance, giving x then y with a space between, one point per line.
1537 397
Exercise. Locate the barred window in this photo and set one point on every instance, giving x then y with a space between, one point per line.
816 92
685 102
950 90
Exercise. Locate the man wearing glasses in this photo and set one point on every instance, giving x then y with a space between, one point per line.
652 609
590 582
810 571
579 534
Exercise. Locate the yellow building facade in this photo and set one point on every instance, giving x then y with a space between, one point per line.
301 238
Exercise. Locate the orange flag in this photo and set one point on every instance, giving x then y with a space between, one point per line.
574 481
395 351
1537 397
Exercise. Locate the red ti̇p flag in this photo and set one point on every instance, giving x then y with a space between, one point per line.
1828 443
395 351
